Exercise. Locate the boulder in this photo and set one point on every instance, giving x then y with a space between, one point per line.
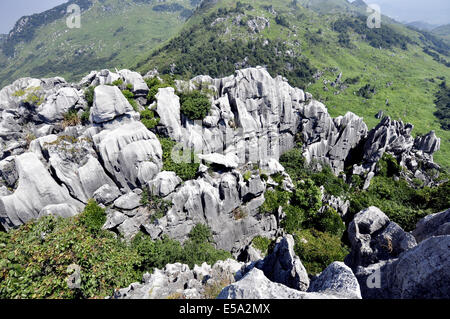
128 201
58 104
109 103
168 109
337 279
433 225
284 267
256 286
374 237
130 153
164 184
36 190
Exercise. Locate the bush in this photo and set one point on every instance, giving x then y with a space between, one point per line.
263 244
130 97
195 105
317 250
93 217
388 166
273 200
329 221
34 259
186 171
196 250
71 118
154 84
148 119
89 95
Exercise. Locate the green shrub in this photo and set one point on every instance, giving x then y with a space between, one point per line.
317 250
307 196
158 206
273 200
186 171
247 176
154 84
130 97
263 244
118 82
295 218
93 217
388 166
89 95
195 105
329 221
34 259
148 119
85 117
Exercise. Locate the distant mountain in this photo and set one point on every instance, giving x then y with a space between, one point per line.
113 34
443 31
421 25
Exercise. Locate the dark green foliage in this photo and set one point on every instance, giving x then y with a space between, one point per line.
388 166
130 97
273 200
148 119
443 105
197 249
317 250
263 244
385 37
93 217
400 202
34 259
196 54
158 206
187 169
195 105
329 221
154 84
85 117
367 91
282 20
89 95
294 163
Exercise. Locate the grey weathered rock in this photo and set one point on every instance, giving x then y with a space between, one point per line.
58 104
255 285
421 272
433 225
128 201
177 280
36 190
109 103
60 210
284 267
337 279
168 109
164 183
136 80
374 237
130 153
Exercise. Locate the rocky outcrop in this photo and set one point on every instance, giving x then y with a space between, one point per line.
109 103
177 281
256 286
35 192
374 238
433 225
283 266
394 137
337 279
421 272
130 153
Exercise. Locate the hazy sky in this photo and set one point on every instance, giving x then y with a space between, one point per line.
431 11
12 10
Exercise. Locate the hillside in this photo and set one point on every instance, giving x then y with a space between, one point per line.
443 31
396 70
113 33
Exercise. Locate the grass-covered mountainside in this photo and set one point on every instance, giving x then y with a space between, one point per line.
113 33
443 31
394 69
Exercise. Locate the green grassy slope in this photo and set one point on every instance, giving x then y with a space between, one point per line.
401 72
443 31
113 33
